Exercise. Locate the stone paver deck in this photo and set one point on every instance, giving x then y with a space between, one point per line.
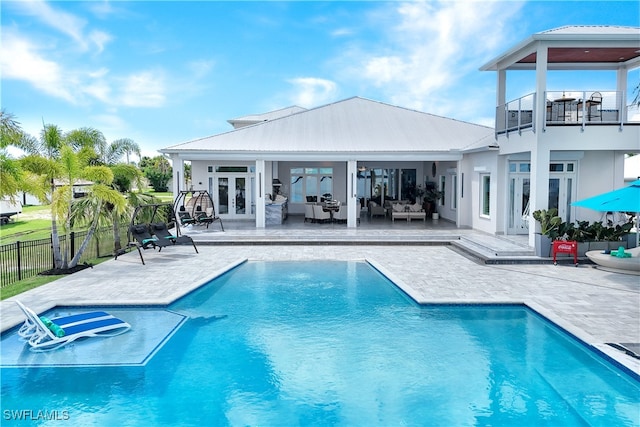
597 306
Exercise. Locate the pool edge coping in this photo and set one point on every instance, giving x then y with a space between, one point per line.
626 363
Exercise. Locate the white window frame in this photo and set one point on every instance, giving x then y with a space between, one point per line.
485 189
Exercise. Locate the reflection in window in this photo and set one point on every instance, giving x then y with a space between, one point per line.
310 184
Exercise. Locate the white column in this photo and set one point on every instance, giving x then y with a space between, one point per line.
353 207
540 153
177 164
621 96
541 87
260 194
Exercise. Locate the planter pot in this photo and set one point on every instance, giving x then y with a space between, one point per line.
583 247
598 246
543 246
631 240
435 215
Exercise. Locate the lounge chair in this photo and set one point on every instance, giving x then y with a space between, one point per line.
208 217
185 217
142 238
29 328
55 333
161 232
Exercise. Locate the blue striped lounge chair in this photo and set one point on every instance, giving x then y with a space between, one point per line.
49 334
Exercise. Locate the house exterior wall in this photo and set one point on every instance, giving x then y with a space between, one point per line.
474 166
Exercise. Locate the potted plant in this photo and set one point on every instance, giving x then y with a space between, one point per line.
549 223
430 202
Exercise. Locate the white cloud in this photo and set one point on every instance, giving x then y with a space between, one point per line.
21 60
66 23
311 91
429 47
144 89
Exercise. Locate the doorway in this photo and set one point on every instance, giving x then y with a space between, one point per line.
234 198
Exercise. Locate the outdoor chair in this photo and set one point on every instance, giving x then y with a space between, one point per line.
142 238
320 215
308 212
341 214
51 334
185 217
206 218
161 232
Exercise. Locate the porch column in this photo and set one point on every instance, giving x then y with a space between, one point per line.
177 164
540 152
260 194
621 95
352 197
541 87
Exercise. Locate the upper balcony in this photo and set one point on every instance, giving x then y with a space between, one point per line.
566 108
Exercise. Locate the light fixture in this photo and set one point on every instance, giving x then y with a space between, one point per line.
362 168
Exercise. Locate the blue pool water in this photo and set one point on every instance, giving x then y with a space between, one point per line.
334 344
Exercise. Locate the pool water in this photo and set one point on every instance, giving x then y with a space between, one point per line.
336 343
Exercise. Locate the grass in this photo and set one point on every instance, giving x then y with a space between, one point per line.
166 197
36 281
29 229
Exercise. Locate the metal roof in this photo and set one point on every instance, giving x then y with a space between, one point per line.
591 46
263 117
354 125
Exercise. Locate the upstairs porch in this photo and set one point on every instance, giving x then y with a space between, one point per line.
566 108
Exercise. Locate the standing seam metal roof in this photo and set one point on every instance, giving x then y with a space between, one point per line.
352 125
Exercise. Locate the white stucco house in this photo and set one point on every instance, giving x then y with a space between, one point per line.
549 147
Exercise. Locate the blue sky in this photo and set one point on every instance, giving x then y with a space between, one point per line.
166 72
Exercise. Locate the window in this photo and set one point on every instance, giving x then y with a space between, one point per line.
485 191
443 182
454 192
310 184
210 169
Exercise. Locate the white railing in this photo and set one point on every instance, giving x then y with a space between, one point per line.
516 115
566 108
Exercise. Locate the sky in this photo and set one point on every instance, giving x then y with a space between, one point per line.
166 72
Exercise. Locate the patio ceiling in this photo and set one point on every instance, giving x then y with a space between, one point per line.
586 55
575 47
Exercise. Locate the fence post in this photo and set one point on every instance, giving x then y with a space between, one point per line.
73 243
19 261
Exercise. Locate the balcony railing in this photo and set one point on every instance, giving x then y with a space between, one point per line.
566 108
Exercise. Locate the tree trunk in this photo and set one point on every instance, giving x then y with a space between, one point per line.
87 238
117 244
55 243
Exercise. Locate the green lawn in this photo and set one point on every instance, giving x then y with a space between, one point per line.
32 224
35 281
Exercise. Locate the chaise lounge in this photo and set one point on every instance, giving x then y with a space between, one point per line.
50 334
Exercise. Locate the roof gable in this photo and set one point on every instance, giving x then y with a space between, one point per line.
353 125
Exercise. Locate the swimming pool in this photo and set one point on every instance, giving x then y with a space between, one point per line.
318 343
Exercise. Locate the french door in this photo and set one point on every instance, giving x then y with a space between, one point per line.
233 195
519 190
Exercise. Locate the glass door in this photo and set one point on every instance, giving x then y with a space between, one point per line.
519 190
233 197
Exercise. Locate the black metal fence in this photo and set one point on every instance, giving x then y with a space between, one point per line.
21 260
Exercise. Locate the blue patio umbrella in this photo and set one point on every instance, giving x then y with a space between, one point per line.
626 199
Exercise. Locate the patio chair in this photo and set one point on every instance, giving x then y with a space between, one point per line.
341 214
185 217
161 232
320 215
51 334
208 217
308 212
141 238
